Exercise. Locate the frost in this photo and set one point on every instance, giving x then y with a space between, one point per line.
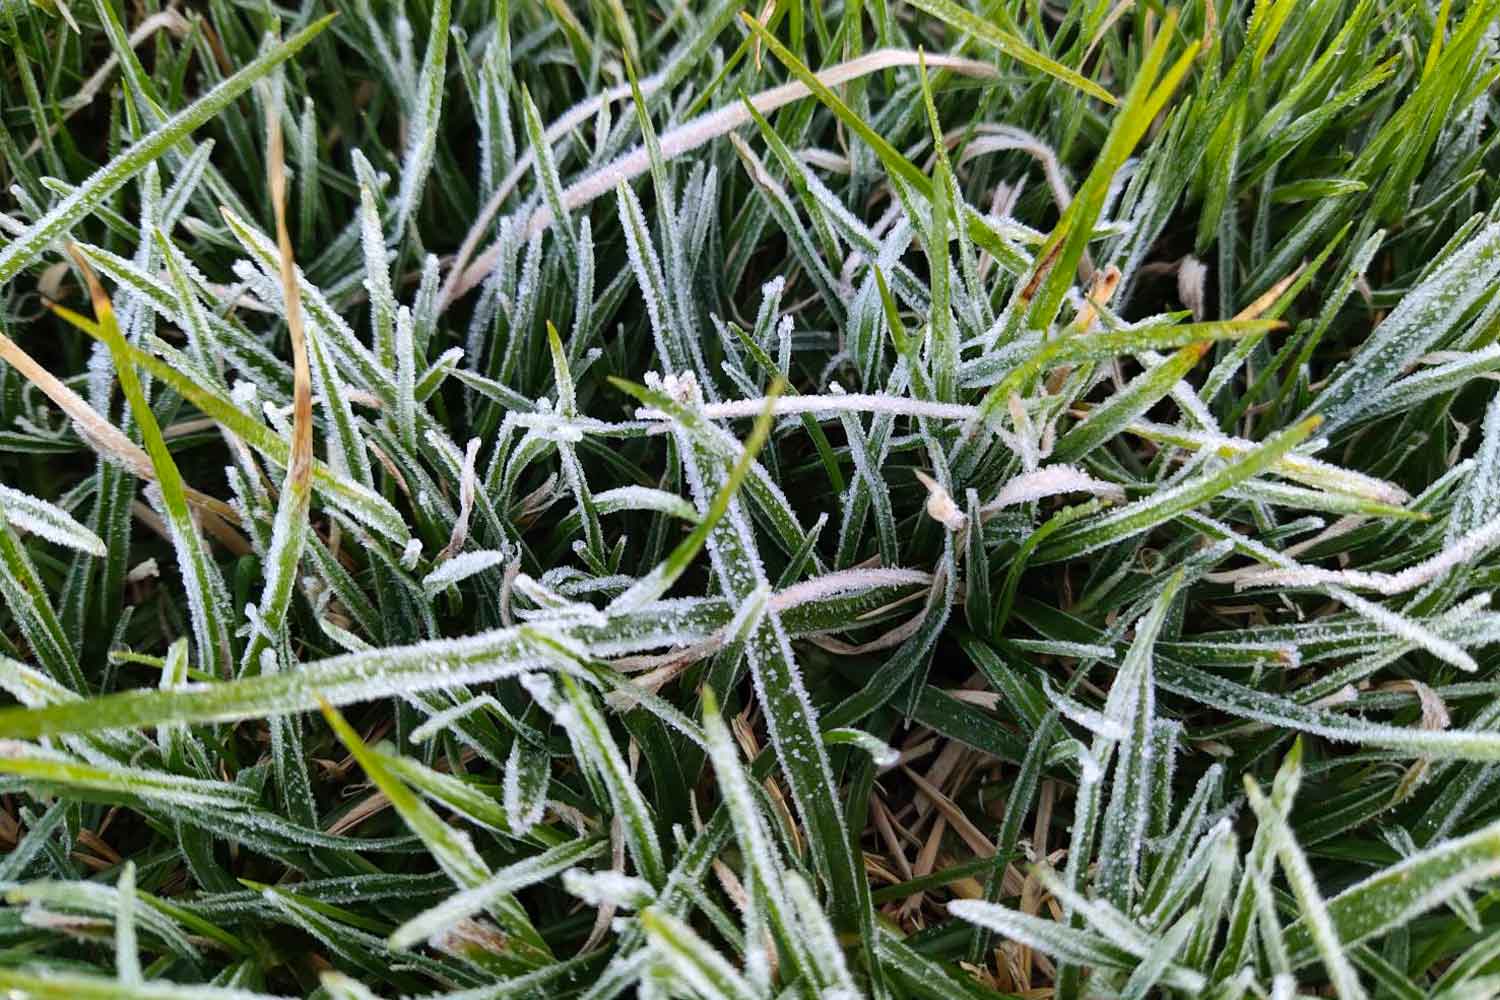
1061 941
1422 318
762 870
524 788
442 720
1061 647
833 402
821 940
849 581
648 275
426 104
462 905
377 280
127 957
1295 465
882 753
1407 629
609 888
406 377
1097 723
1050 481
1457 552
47 521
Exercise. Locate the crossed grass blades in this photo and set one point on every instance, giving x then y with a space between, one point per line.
890 499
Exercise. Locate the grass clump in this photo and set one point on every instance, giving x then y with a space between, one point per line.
891 499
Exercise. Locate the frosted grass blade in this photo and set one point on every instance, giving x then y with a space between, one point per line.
1423 317
592 742
1315 916
1078 539
691 959
452 849
461 905
26 597
426 113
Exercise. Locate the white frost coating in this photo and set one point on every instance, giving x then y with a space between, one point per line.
1026 436
406 376
46 897
460 906
1062 647
882 753
571 428
1095 722
588 732
747 617
30 686
541 689
411 553
207 595
460 567
347 640
540 594
684 956
1297 466
146 569
427 106
1451 369
1055 938
565 123
442 720
609 888
1091 768
1315 914
466 482
821 940
875 492
525 802
1052 480
644 498
1396 624
1103 916
1423 316
834 402
377 280
1405 628
127 957
848 581
762 869
647 267
28 760
1478 500
48 521
341 987
1455 553
243 393
1192 275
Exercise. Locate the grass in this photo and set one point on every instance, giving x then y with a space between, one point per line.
874 499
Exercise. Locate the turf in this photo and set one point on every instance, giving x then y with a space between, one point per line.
887 498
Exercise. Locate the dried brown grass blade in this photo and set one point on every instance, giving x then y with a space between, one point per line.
101 435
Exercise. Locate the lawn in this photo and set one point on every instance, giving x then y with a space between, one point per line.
888 498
